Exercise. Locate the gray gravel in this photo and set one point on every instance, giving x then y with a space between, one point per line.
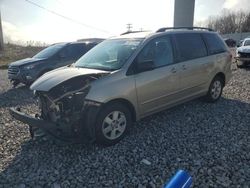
210 141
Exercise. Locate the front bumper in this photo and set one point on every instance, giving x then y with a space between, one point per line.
242 58
32 121
86 132
22 76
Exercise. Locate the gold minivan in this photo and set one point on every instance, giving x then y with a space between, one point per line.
126 78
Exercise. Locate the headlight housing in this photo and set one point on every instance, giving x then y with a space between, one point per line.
28 67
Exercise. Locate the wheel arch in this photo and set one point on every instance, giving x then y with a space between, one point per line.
127 103
222 76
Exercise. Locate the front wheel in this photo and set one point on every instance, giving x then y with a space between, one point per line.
112 124
15 83
215 89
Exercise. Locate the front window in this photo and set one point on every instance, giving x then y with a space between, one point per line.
49 51
109 55
247 43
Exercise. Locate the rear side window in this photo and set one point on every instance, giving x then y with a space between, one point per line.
214 43
189 46
75 51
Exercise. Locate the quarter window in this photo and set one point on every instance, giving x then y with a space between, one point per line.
189 46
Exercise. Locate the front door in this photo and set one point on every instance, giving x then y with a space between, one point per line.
156 88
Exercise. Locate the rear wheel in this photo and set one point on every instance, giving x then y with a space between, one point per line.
215 89
112 124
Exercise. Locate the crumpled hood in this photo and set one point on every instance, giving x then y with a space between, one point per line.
53 78
244 49
26 61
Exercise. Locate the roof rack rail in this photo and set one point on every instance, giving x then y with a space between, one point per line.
188 28
128 32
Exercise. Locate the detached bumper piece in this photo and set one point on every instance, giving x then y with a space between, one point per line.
49 127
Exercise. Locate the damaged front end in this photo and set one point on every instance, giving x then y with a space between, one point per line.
64 111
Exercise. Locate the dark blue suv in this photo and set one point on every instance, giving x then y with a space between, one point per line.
57 55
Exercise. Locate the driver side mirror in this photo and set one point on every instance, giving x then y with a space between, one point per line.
143 66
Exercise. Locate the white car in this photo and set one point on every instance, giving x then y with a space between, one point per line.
243 54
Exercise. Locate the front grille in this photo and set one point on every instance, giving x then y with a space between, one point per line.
13 70
246 55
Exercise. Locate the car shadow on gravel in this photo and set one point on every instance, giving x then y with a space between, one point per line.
208 140
16 96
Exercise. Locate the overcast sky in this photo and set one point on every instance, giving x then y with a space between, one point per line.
23 21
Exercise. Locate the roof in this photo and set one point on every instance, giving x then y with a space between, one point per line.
91 40
133 35
81 41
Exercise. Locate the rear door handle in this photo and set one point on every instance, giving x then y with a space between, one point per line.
184 67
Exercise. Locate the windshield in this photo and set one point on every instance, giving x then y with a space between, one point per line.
247 43
49 51
109 55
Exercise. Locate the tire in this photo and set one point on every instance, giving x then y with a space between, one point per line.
215 90
15 83
112 124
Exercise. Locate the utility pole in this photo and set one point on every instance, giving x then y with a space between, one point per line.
184 13
129 27
1 35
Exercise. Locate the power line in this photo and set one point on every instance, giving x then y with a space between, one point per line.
65 17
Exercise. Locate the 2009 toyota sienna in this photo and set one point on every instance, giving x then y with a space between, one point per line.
126 78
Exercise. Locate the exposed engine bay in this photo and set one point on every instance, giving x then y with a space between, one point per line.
64 100
63 107
65 104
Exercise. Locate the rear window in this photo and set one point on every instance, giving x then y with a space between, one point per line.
214 43
189 46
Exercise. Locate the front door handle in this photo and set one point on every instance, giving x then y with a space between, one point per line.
173 70
184 67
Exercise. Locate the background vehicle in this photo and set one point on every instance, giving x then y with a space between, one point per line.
127 78
232 45
58 55
243 54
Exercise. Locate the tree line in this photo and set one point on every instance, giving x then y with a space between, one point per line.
229 22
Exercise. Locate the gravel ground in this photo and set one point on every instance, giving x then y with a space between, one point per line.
210 141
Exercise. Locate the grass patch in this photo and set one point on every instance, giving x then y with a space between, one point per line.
13 52
3 66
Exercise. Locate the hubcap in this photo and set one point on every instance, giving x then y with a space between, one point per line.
114 125
216 89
